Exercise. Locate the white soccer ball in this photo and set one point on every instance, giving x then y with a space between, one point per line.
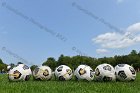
19 73
105 72
125 72
8 67
42 73
84 72
63 72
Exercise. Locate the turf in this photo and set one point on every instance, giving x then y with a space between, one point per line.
54 86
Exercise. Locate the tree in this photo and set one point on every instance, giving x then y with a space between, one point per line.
133 52
19 63
2 66
73 62
12 65
51 63
64 60
33 67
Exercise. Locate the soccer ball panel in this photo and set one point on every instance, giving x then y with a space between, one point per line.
27 77
61 78
97 72
91 73
59 69
121 65
122 74
36 70
25 67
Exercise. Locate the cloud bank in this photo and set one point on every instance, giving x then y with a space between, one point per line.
116 40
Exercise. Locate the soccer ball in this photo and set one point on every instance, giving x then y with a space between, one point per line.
84 72
8 67
125 72
42 73
20 72
63 72
105 72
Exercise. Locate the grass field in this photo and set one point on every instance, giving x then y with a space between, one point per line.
68 86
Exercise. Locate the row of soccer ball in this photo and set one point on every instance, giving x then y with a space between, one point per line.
103 72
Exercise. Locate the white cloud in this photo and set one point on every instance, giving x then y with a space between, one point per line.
100 51
116 40
134 28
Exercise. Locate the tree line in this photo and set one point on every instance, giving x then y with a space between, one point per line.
3 66
132 59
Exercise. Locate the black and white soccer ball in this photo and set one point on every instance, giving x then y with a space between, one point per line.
19 73
125 72
84 72
42 73
105 72
63 73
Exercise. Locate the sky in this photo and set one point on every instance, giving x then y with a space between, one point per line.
31 31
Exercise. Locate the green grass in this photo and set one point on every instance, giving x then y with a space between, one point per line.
68 86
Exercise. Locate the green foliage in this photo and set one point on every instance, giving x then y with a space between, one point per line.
19 63
132 59
50 62
3 66
33 67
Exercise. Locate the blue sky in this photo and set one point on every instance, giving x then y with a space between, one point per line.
82 32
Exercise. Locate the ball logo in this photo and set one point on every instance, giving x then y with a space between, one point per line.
122 74
132 70
69 71
46 72
82 71
16 74
107 68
